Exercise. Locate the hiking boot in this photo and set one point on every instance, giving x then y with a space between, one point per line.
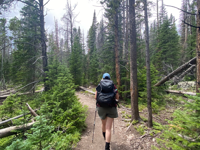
107 146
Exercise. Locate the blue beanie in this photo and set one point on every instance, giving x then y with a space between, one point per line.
106 75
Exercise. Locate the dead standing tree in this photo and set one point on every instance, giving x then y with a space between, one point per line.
70 18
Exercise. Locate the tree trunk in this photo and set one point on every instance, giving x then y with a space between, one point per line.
117 68
31 110
157 16
150 123
12 130
3 55
126 47
56 34
175 72
43 40
8 120
127 29
124 30
71 32
133 62
198 48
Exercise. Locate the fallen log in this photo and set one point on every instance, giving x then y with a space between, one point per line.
11 130
5 121
5 96
181 92
31 110
184 73
85 89
178 70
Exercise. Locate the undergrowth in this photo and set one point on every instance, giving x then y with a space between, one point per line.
61 116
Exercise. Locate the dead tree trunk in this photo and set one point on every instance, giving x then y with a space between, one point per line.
150 123
43 43
10 130
133 62
198 48
56 35
31 110
157 16
178 70
183 74
8 120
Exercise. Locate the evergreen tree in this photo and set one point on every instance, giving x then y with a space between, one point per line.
25 57
76 59
92 54
168 47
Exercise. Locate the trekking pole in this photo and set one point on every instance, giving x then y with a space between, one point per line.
94 125
113 127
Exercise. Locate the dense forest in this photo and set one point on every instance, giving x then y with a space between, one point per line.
43 70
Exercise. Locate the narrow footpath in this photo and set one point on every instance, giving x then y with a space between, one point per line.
120 140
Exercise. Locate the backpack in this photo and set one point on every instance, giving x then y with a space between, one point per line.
106 94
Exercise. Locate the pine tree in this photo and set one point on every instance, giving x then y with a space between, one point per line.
92 54
168 47
25 57
76 59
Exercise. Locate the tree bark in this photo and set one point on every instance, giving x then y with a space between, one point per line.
126 46
127 29
198 48
150 123
56 35
43 40
117 67
11 130
5 121
124 29
157 16
184 73
31 110
175 72
133 62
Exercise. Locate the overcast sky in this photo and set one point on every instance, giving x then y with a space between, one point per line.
85 8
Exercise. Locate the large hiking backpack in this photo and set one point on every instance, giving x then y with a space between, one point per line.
106 95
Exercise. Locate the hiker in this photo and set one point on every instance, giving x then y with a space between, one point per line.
107 97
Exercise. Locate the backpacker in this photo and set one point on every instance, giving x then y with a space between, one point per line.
106 94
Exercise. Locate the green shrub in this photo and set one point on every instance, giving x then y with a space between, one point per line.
183 131
61 120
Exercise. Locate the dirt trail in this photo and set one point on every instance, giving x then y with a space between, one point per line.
120 139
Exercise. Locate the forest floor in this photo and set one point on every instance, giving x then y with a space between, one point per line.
138 136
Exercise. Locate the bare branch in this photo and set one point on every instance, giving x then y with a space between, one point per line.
37 59
46 2
181 10
190 24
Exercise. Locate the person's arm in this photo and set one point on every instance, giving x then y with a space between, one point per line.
117 96
96 95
